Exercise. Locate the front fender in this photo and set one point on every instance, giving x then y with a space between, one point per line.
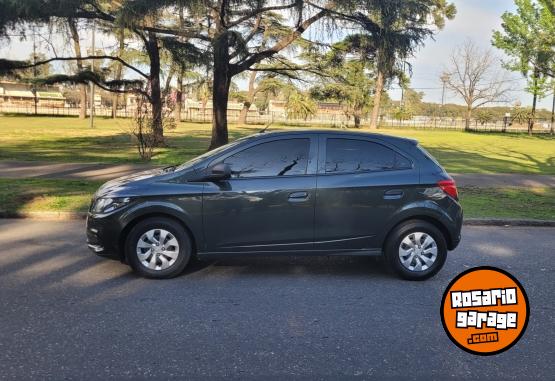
188 211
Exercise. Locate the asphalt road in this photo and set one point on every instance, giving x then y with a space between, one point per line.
66 314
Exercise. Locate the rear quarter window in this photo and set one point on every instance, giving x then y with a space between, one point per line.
352 155
429 156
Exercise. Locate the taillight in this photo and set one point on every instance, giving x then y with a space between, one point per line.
449 187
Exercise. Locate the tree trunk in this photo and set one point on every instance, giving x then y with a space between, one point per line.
179 96
180 74
82 101
119 71
250 98
552 130
115 101
220 94
155 91
77 47
534 102
244 113
357 121
203 104
167 86
377 99
467 118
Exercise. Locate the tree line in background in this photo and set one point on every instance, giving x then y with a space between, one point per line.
226 38
298 51
527 37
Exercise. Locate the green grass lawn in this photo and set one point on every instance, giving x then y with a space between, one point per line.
27 195
71 140
509 202
31 195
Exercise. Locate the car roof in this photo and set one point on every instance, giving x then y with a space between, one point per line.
342 132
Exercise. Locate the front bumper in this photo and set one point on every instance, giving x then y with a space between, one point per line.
103 236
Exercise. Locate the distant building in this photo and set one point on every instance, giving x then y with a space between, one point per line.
231 106
21 94
278 108
330 108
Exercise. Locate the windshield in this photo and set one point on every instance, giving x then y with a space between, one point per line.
208 154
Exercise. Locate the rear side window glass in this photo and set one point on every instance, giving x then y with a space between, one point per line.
429 156
350 155
278 158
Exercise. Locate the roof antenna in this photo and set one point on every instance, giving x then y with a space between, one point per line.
265 128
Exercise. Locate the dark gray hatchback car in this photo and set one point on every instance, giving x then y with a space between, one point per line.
288 193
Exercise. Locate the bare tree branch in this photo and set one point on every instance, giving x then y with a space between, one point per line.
282 43
247 14
474 76
101 57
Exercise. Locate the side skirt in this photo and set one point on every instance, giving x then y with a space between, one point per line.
315 253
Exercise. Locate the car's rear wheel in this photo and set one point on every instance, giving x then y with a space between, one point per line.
158 248
416 250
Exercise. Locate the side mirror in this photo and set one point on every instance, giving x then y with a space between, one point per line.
220 171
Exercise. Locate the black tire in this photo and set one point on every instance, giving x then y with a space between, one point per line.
391 249
172 226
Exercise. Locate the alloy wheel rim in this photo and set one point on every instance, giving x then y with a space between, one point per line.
157 249
418 251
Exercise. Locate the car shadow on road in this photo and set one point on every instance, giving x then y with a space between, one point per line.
349 266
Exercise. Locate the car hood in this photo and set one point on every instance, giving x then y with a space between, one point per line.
146 183
124 182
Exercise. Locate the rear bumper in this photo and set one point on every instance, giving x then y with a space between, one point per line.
454 242
455 226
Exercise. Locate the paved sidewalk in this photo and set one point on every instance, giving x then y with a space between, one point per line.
76 171
503 180
103 172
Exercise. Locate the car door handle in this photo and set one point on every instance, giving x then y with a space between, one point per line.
298 196
393 194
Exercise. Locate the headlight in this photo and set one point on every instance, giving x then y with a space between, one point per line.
107 205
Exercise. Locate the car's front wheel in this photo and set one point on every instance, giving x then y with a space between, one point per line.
416 250
158 248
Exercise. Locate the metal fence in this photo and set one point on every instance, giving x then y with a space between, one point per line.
257 117
541 126
187 114
59 111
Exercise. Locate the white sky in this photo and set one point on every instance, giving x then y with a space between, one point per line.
476 19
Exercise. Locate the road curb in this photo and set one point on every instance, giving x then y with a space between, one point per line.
72 216
506 222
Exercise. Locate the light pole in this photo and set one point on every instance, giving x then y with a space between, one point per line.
92 70
403 89
553 115
35 70
444 78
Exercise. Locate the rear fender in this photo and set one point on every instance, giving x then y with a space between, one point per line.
427 210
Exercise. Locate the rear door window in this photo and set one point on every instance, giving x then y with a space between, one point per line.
351 155
288 157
